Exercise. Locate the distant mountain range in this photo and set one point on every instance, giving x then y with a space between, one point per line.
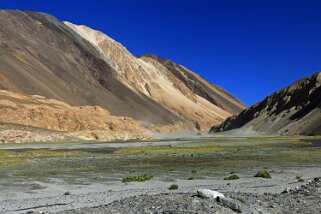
79 66
294 110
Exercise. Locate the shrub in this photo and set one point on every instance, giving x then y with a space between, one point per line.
138 178
263 174
193 171
191 178
299 178
232 177
67 193
173 187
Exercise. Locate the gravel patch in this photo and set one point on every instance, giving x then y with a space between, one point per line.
161 203
298 200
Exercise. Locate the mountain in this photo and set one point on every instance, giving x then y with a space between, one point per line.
182 92
79 66
294 110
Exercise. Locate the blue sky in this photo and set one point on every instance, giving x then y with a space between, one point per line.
251 48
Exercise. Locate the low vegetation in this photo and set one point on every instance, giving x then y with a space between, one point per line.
138 178
232 156
232 177
173 187
210 146
263 174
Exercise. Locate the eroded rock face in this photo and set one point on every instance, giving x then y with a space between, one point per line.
295 110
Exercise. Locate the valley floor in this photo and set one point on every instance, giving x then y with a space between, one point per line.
65 176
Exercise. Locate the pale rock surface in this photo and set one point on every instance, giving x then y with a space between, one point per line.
207 193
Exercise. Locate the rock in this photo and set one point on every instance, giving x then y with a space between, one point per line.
287 190
207 193
230 204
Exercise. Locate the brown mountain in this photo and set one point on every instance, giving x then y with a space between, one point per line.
40 55
294 110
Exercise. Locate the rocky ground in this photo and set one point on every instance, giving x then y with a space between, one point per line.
303 199
87 177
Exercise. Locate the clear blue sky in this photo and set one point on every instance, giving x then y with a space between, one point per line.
251 48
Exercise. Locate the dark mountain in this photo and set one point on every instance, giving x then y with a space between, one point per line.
294 110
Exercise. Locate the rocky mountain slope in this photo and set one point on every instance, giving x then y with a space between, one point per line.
177 89
40 55
294 110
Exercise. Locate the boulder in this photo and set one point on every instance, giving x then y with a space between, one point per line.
207 193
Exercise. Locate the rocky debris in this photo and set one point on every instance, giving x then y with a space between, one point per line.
159 204
294 110
207 193
300 200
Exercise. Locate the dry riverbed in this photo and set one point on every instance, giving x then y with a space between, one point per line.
66 176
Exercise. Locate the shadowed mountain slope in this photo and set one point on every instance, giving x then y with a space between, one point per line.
295 110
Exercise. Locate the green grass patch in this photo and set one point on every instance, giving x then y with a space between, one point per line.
37 153
185 149
302 143
138 178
